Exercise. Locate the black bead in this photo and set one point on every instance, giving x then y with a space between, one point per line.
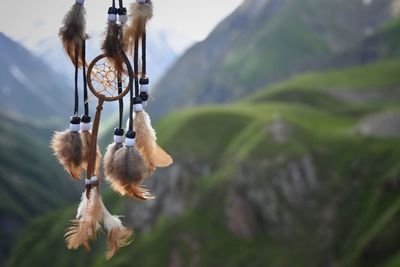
137 100
119 131
112 10
86 119
75 120
144 80
144 96
131 134
122 11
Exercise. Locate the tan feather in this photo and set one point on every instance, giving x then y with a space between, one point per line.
87 222
131 190
118 235
140 14
67 147
146 142
72 33
162 158
86 137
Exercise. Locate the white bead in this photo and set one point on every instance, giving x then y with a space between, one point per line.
112 17
129 142
123 18
144 88
80 2
138 107
74 127
88 181
118 139
93 179
85 126
144 103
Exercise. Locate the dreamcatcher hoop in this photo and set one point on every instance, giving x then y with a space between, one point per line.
105 75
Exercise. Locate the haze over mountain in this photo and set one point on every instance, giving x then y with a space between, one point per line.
161 52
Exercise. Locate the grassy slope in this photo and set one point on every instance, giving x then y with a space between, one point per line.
357 183
33 187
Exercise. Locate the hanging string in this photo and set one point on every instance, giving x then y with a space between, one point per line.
136 66
136 70
131 107
76 105
121 101
85 89
144 55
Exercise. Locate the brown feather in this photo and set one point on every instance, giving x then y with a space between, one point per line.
108 159
112 46
86 137
117 238
128 166
131 190
67 147
125 170
85 226
138 191
140 14
146 142
72 33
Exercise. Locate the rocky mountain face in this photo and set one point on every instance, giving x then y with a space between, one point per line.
265 41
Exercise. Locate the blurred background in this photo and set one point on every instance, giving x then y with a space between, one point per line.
283 117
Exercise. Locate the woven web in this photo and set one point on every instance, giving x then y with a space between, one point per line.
104 78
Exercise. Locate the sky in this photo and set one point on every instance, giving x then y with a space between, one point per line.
29 21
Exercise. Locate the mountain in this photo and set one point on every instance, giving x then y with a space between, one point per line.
266 41
29 86
302 173
34 101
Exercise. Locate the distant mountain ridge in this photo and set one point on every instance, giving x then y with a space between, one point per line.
265 41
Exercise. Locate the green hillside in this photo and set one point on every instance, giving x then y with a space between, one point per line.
264 42
33 99
31 182
292 179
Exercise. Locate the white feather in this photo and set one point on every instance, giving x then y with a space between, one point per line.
82 205
110 221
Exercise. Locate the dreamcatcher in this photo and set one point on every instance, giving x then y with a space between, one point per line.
133 155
